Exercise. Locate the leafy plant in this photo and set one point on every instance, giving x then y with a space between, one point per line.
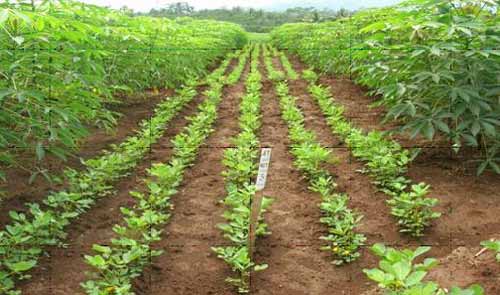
413 209
494 246
398 274
51 89
241 168
116 265
25 238
310 158
434 64
386 162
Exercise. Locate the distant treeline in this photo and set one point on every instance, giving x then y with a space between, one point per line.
253 20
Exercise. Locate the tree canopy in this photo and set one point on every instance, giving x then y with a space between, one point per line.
253 20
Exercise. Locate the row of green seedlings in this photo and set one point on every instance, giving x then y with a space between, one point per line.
124 259
272 73
291 74
400 275
290 71
22 242
241 169
310 158
235 75
274 51
386 162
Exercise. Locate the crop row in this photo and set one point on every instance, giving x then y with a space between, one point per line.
290 72
310 159
385 160
64 62
125 257
398 273
241 169
435 65
235 75
273 74
22 242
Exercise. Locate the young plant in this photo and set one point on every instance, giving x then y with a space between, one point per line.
291 73
493 245
24 240
385 161
241 169
310 157
414 209
399 275
116 265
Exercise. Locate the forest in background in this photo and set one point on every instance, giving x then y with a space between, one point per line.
253 20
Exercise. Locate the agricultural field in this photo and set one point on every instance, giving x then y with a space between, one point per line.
165 156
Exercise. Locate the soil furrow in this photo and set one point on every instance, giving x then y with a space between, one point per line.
377 225
296 264
466 202
17 189
64 268
188 265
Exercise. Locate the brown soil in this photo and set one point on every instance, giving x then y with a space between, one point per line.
63 269
469 204
17 189
296 264
188 265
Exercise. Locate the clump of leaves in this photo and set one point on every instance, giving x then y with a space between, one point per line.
398 274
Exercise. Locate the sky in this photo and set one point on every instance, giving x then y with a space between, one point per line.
146 5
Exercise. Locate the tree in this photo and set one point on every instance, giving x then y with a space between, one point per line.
179 9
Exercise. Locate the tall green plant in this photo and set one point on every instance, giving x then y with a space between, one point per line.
63 62
435 64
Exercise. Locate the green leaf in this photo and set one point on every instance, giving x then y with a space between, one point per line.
96 261
428 130
415 278
40 151
421 250
19 40
401 270
101 249
4 15
378 249
375 275
260 267
476 127
21 266
442 126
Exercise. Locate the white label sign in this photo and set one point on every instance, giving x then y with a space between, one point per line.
265 159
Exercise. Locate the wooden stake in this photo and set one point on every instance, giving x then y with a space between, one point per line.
256 205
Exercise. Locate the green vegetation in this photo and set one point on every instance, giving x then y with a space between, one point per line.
385 161
310 158
398 275
252 20
23 240
435 65
123 260
241 170
259 37
493 245
62 63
